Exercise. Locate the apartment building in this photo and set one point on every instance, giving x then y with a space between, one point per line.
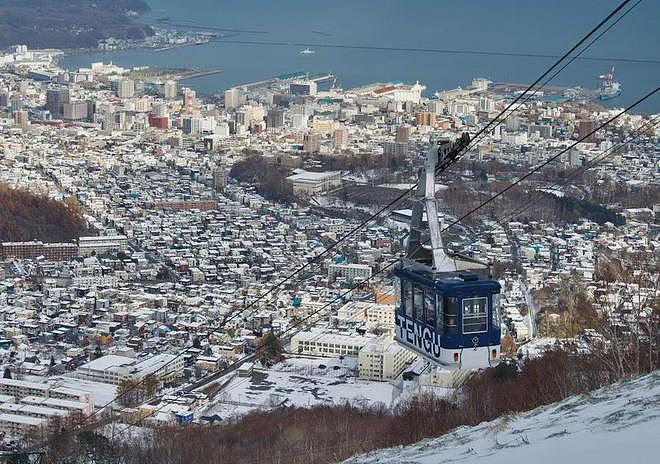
113 369
318 343
350 272
383 359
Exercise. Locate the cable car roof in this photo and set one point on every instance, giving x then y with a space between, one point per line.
454 284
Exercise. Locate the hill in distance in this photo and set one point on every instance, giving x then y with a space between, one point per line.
27 216
69 23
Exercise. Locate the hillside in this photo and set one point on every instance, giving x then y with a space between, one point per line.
611 425
27 216
70 23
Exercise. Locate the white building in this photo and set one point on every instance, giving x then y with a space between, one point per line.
125 88
101 244
56 403
113 369
383 359
319 343
364 311
169 90
311 183
16 425
349 271
29 410
20 389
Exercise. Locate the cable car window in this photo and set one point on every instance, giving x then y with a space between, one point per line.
408 298
475 315
450 314
429 307
438 311
418 303
497 314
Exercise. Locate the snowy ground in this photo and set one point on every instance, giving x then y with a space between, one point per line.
438 187
618 424
303 382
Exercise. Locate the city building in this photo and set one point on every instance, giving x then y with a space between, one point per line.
383 359
340 138
233 98
16 425
319 343
113 368
403 134
50 251
305 88
169 90
311 143
75 110
275 118
425 118
351 272
312 183
56 97
88 246
364 311
125 88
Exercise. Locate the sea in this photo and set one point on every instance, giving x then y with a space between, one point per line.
442 44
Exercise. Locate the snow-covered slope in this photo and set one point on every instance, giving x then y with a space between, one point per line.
619 424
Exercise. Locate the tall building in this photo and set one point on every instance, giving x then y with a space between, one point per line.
302 88
21 119
192 125
312 143
75 111
190 103
275 118
383 359
486 104
125 88
108 123
585 127
169 90
233 98
340 138
160 122
220 179
56 97
436 106
395 149
4 98
403 134
425 118
299 120
160 110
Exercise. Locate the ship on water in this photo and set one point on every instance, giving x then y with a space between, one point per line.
307 51
609 88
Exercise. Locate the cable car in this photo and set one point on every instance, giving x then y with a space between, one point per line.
449 307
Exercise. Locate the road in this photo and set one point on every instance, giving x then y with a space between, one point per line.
530 319
221 373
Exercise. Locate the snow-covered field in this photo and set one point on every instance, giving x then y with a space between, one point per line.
302 382
618 424
438 187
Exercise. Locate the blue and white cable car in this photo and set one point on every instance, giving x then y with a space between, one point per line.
449 308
